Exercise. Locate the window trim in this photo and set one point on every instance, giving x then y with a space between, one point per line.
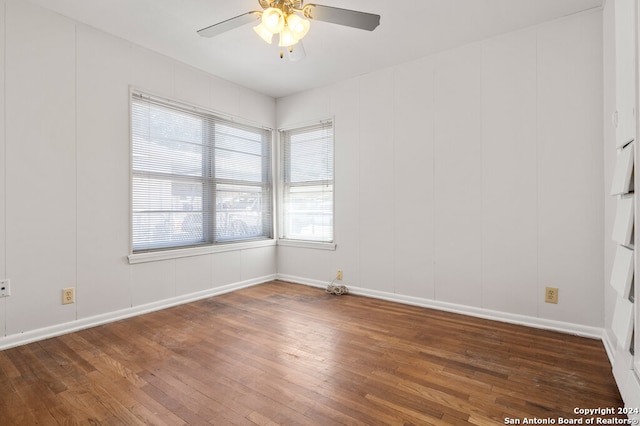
177 253
153 255
319 245
287 242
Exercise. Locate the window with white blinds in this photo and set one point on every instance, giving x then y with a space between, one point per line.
196 178
307 176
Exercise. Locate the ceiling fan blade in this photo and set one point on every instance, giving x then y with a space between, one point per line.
335 15
230 24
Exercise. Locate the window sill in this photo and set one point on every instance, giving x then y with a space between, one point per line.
196 251
307 244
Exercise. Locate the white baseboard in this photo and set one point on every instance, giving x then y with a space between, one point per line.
69 327
546 324
609 346
80 324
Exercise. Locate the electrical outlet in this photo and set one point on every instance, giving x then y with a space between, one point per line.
551 295
5 288
68 295
339 275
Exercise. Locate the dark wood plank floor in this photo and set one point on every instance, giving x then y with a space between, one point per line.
281 353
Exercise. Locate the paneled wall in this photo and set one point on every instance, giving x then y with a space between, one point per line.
3 174
510 173
64 218
468 180
472 179
609 154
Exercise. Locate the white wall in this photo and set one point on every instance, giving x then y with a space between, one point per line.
3 174
472 179
64 190
609 153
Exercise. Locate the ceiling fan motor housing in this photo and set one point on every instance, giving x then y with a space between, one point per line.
284 5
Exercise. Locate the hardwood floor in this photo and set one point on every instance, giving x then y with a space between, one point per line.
281 353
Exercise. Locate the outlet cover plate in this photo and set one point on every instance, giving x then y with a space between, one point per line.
551 295
68 295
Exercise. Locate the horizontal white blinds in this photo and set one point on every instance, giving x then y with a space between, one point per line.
307 168
196 178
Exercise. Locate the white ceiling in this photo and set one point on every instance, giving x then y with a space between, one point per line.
409 29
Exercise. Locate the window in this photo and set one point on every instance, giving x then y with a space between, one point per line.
196 178
307 176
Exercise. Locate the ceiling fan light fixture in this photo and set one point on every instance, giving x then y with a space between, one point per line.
287 38
273 20
263 32
298 53
298 26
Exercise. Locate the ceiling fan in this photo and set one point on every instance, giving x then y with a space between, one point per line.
285 18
